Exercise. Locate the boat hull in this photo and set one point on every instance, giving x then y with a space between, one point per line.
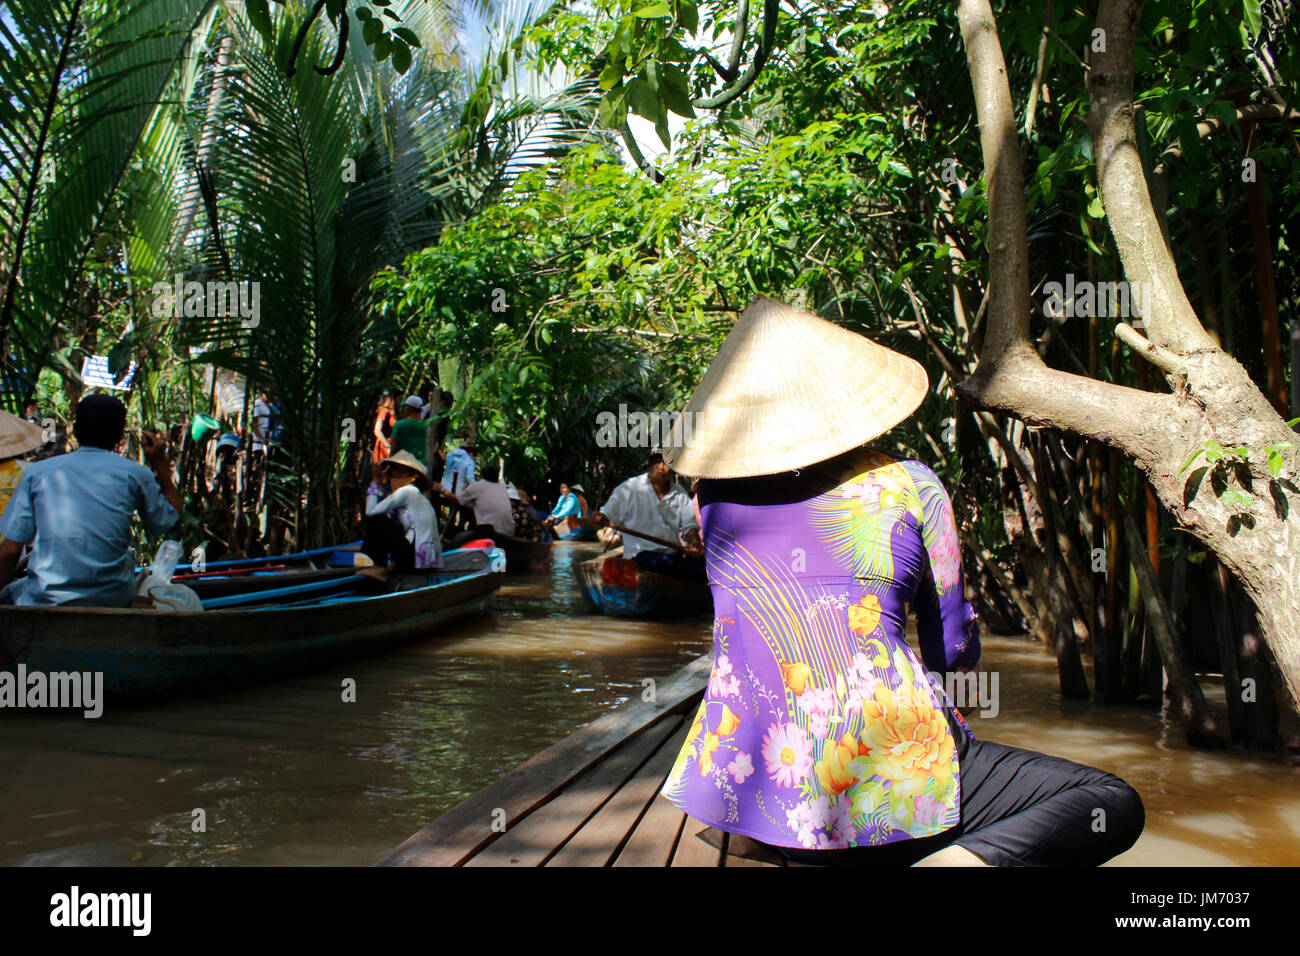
147 653
614 585
522 556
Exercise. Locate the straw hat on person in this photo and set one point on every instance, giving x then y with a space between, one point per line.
18 437
406 460
789 389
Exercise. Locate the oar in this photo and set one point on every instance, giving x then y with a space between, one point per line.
647 537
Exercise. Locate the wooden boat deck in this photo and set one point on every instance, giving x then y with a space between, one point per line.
591 800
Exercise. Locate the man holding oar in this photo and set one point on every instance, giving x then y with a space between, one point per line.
655 517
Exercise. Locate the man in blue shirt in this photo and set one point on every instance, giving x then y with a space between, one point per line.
75 511
458 475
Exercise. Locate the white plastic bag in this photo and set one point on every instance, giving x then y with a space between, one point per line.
174 597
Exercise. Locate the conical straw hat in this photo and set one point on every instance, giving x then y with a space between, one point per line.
407 460
789 389
17 437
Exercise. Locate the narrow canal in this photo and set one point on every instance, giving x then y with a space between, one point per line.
288 773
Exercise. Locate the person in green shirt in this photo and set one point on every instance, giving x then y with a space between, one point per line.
409 434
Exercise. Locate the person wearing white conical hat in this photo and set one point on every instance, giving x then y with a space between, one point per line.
822 733
17 438
401 527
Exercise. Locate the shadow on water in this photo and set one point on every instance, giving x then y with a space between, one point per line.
288 773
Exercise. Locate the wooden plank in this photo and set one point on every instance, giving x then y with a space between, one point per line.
601 837
534 839
654 840
466 829
692 850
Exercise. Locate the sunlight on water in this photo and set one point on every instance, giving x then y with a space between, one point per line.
289 774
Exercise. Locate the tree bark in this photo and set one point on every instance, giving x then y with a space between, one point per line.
1213 397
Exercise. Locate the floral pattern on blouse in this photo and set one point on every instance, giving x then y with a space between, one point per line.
820 727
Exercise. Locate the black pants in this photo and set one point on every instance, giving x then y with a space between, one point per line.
386 544
1018 808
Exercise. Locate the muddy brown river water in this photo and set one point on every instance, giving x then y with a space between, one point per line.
289 774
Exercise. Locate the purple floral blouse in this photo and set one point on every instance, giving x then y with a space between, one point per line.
820 727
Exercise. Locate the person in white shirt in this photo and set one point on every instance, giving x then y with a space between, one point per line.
654 504
490 500
261 422
412 540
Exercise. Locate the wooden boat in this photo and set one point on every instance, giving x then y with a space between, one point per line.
591 800
522 556
614 585
239 576
242 639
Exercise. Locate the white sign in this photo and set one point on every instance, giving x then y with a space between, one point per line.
94 372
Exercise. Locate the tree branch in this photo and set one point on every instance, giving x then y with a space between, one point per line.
771 11
1162 359
1123 186
738 34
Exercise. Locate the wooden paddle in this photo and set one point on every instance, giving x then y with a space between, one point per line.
647 537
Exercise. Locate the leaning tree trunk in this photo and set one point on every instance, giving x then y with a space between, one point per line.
1212 399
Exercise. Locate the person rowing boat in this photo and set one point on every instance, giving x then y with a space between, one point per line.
75 511
657 513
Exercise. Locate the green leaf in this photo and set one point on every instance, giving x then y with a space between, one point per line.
259 15
371 31
1251 14
1188 464
675 90
653 11
688 15
642 99
364 14
1095 209
613 108
407 34
401 56
612 74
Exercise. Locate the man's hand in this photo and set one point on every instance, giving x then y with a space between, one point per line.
158 453
694 546
599 520
156 450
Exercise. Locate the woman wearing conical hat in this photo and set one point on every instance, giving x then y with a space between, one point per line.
402 526
822 733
